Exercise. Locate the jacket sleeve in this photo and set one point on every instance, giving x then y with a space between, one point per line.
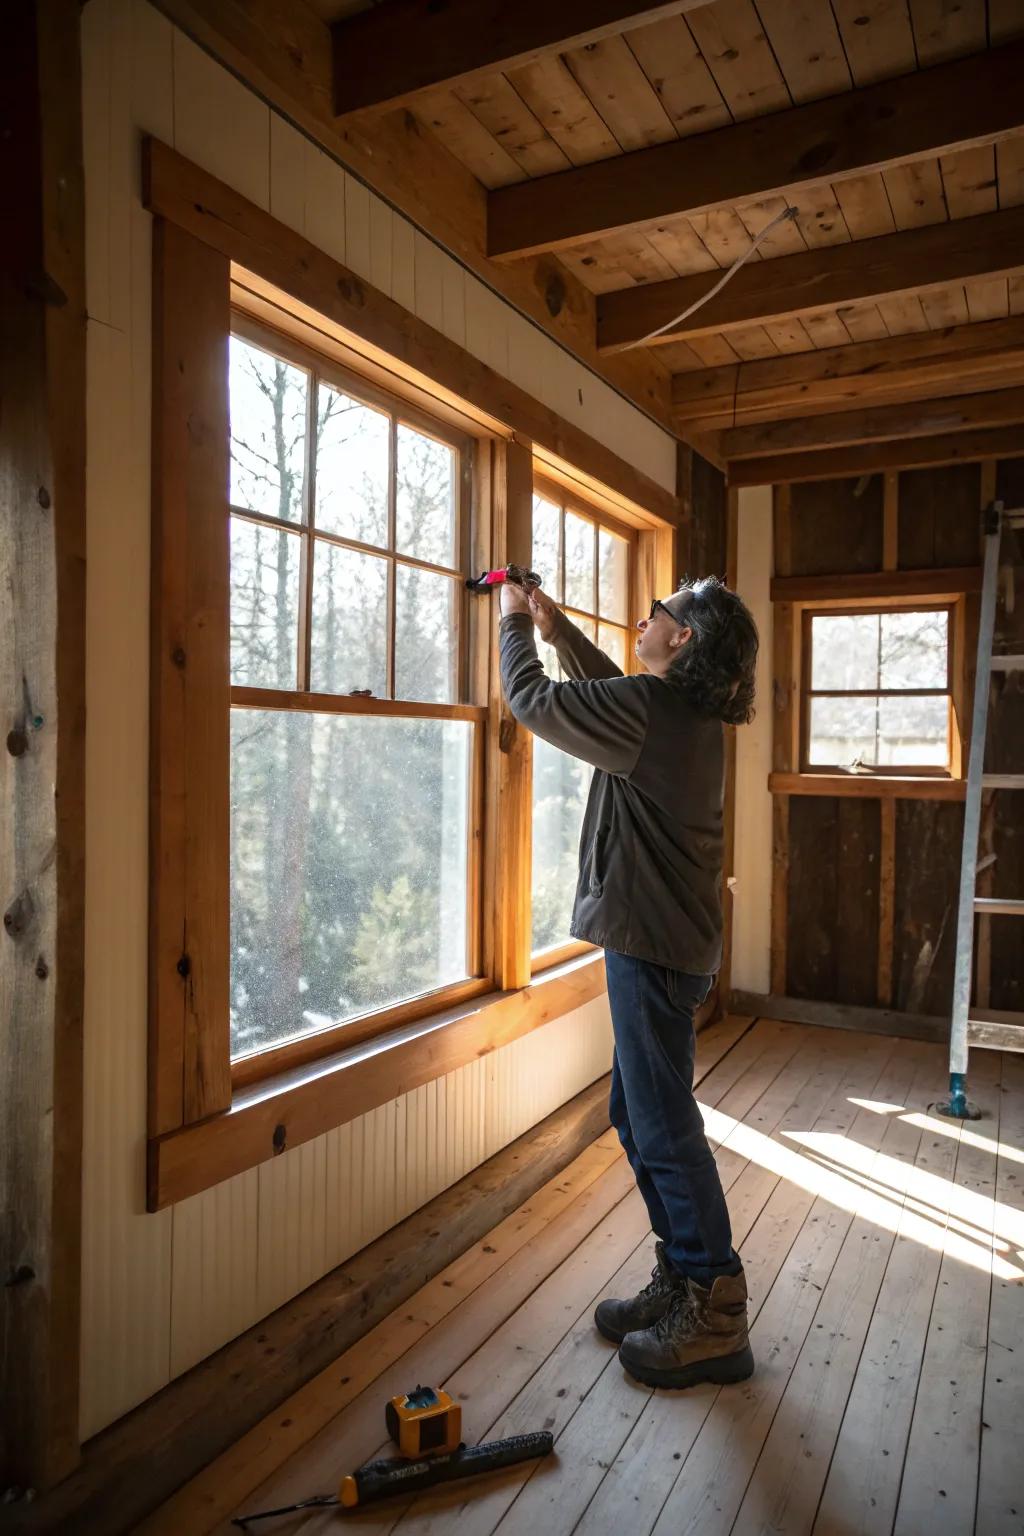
603 720
580 657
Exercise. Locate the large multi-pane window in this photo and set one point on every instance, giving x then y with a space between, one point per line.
878 690
585 564
354 822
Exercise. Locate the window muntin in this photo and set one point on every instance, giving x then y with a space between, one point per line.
355 828
878 694
585 565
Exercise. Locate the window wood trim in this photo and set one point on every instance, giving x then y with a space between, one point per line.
191 1086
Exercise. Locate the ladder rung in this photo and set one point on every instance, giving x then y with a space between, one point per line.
999 906
1002 781
1007 663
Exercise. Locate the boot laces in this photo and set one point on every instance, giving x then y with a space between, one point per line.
681 1313
656 1285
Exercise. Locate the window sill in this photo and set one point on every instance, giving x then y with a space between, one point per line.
868 786
280 1113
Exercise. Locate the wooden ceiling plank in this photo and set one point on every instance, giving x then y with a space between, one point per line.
621 93
826 329
556 100
384 56
724 234
878 38
501 109
596 267
864 322
987 300
914 418
903 314
969 181
944 31
913 261
730 36
945 307
865 205
885 126
931 364
714 351
789 336
785 239
682 247
451 121
915 194
1015 294
805 39
676 68
871 458
637 256
819 217
1010 172
753 343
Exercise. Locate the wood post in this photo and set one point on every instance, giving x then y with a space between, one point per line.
42 677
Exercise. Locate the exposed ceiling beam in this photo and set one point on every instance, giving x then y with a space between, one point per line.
952 106
870 458
384 56
874 425
920 366
283 53
990 245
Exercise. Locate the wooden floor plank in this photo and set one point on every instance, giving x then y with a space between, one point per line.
786 1485
1000 1481
641 1478
862 1486
706 1496
940 1474
584 1370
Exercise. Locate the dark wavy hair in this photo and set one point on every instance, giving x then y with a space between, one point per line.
717 663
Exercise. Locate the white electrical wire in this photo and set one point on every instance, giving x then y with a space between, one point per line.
787 213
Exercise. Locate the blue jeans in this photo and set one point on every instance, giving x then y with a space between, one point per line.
656 1116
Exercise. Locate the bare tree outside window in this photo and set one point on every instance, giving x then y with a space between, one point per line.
879 690
349 832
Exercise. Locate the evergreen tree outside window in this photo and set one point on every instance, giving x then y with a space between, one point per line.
353 817
585 563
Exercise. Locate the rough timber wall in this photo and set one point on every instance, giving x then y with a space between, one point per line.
162 1291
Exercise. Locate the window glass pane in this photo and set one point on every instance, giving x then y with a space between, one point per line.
351 468
914 650
579 562
588 626
842 732
427 473
268 432
560 787
264 605
844 650
914 731
546 559
349 638
425 652
612 576
349 840
612 641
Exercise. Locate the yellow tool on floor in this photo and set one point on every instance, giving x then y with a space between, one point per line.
426 1425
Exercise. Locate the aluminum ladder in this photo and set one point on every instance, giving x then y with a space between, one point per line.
966 1031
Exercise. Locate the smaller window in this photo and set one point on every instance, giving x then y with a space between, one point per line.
877 691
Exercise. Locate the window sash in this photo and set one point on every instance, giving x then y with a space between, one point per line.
808 694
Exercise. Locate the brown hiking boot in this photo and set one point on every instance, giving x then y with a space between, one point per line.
617 1318
701 1337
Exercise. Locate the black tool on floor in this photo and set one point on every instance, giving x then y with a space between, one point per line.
426 1425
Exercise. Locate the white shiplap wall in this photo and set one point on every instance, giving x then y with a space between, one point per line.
162 1291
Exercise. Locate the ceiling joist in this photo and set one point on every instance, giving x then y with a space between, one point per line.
871 458
913 261
921 366
881 424
385 56
952 106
